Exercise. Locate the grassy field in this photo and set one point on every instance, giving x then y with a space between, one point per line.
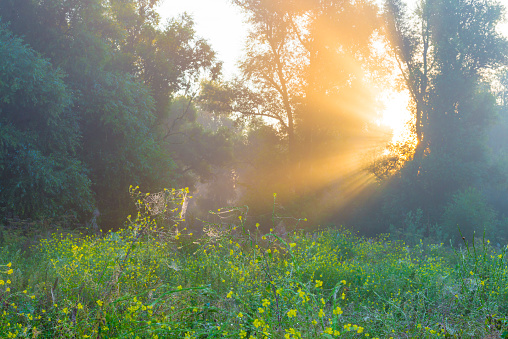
231 282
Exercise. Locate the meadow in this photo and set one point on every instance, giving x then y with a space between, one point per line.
237 281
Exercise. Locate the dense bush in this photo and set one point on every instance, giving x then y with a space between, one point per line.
469 212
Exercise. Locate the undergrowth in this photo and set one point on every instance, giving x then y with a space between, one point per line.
151 280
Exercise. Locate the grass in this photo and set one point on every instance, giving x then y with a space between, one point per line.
146 281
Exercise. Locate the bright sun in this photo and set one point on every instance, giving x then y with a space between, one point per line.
396 115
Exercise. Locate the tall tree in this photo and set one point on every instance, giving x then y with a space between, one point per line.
444 56
410 42
123 71
304 74
40 173
442 52
273 64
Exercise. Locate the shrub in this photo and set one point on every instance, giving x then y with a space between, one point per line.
469 211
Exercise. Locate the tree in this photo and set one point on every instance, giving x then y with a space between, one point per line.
444 57
410 43
272 66
305 72
123 72
40 173
198 150
305 75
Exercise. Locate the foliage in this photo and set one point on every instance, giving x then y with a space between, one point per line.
469 211
100 94
118 143
119 71
444 50
40 172
416 230
238 282
197 149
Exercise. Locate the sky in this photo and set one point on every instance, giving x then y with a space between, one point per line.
219 22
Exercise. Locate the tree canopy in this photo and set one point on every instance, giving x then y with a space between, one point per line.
108 76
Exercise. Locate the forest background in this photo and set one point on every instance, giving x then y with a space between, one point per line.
96 96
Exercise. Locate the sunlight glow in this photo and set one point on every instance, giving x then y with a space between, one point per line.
395 114
343 176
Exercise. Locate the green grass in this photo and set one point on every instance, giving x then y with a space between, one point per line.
149 282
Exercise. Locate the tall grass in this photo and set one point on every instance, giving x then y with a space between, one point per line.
149 281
